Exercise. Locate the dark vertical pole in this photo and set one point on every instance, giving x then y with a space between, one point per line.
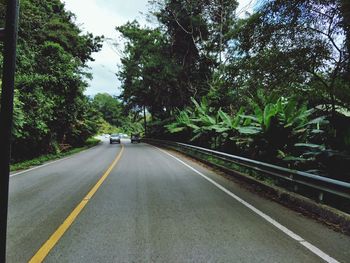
145 120
6 112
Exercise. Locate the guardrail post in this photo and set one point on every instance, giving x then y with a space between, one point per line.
295 188
320 197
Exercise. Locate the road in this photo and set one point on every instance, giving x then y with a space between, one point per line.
151 207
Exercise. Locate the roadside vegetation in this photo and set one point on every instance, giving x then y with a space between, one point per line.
115 117
52 116
50 108
53 156
272 85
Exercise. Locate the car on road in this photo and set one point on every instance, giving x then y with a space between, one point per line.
123 135
135 138
114 138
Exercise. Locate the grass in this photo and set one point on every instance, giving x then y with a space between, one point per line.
49 157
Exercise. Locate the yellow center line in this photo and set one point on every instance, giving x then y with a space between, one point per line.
41 254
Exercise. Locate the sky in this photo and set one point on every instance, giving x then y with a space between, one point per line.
100 17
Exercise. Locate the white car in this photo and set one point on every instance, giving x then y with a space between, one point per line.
114 138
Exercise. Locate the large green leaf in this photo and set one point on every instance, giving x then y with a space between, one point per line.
318 120
219 129
236 120
196 136
269 112
251 117
289 110
250 130
176 129
198 107
310 145
225 118
193 126
293 158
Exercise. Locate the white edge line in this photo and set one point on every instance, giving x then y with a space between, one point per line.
50 162
39 166
284 229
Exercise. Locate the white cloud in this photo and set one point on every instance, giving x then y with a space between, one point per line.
245 6
100 17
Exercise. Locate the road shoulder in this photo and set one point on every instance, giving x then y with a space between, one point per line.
317 233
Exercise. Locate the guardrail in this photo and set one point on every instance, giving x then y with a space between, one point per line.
322 189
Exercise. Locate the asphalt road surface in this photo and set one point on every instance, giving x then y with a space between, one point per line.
152 207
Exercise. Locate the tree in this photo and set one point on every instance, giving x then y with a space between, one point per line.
295 47
148 74
110 107
52 53
162 68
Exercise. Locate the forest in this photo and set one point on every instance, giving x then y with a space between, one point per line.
271 85
49 105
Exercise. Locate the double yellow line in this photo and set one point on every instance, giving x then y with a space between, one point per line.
56 236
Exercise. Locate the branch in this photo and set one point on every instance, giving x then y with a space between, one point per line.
328 36
177 22
319 78
320 13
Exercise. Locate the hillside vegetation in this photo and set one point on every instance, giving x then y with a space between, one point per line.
272 85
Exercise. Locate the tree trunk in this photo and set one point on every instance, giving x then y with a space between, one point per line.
221 33
345 10
144 120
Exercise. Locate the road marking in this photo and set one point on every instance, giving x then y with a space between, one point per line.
50 162
41 254
39 166
284 229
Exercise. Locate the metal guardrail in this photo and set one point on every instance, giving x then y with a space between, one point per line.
301 182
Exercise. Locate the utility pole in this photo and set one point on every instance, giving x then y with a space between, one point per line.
9 36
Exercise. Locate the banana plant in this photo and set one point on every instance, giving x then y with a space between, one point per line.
183 121
278 130
204 123
228 122
199 120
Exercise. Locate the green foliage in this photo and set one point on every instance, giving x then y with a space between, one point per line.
163 67
114 117
275 130
49 157
273 85
148 73
110 108
18 117
294 47
49 106
200 120
105 127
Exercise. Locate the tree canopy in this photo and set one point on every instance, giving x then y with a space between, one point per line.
50 107
207 75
